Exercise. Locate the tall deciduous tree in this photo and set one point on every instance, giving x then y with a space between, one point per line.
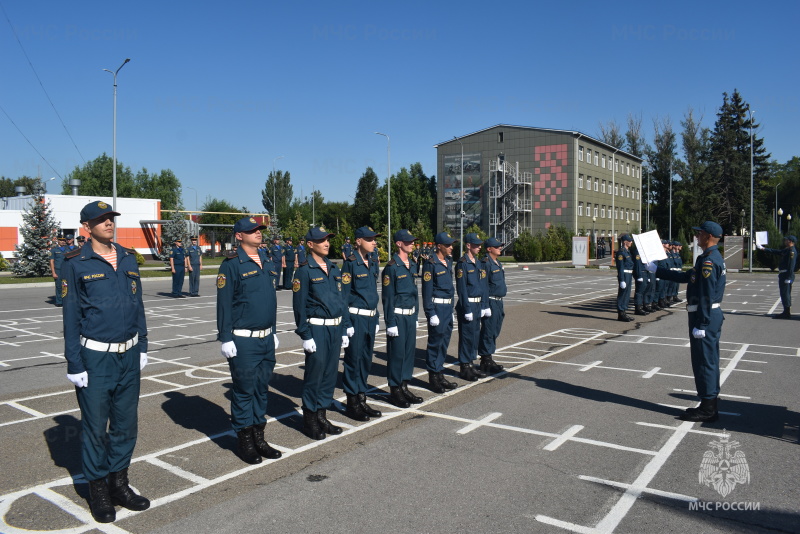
277 196
223 212
611 133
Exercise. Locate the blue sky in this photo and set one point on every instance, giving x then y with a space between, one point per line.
216 90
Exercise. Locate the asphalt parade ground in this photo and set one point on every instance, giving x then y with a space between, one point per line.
579 433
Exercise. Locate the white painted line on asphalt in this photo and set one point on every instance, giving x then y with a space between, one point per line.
693 392
29 411
693 431
480 422
591 365
651 372
659 493
81 514
158 380
774 306
177 471
563 438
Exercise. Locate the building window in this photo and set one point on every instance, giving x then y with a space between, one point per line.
589 183
499 137
580 153
637 215
603 211
596 184
604 161
580 209
627 192
597 158
628 169
638 192
616 165
580 181
616 189
603 187
595 210
616 213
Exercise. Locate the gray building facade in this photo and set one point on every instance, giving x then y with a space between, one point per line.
518 178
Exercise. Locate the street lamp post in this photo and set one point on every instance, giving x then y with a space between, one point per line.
388 193
742 227
776 202
750 245
195 197
274 218
114 170
780 220
461 246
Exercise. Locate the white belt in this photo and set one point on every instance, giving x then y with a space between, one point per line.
360 311
495 298
782 270
252 333
693 307
442 301
99 346
627 271
675 269
325 322
405 311
474 299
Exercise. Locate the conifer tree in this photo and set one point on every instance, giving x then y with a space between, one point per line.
39 234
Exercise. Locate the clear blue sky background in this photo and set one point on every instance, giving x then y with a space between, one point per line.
216 90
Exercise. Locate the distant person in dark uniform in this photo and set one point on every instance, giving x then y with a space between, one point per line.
57 255
438 296
347 248
178 263
471 307
786 270
360 291
105 345
400 314
642 278
624 275
81 240
492 323
195 254
246 318
301 252
320 314
704 292
289 258
276 253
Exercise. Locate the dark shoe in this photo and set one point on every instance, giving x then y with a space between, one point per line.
489 366
655 307
639 311
122 494
326 425
100 501
446 383
354 409
435 382
262 447
466 372
59 305
787 314
369 410
622 316
705 413
410 397
397 398
247 447
311 426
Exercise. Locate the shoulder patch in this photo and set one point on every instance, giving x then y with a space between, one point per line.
221 279
459 272
351 257
64 288
231 254
391 262
637 257
296 285
427 276
619 257
386 280
72 253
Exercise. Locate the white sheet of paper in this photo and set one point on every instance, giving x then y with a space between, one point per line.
762 238
649 247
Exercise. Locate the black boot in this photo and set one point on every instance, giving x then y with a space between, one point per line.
311 426
397 398
326 425
622 316
122 494
705 413
489 366
263 448
100 501
354 409
639 311
446 383
467 372
410 397
787 314
247 447
435 382
369 410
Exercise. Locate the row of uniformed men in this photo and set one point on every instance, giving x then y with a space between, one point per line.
338 308
652 293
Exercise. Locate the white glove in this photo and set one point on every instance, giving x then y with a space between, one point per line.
351 332
275 340
698 334
434 320
486 312
651 267
640 279
788 282
142 360
345 342
623 285
468 317
81 380
309 345
377 329
228 349
760 247
392 331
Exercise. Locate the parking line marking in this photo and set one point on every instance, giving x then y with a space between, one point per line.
563 438
480 422
651 372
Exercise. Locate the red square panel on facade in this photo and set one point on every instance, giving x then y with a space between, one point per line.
558 211
553 198
558 190
563 203
547 211
537 205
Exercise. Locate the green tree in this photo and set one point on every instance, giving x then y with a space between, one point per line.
277 196
174 229
6 187
297 227
695 140
164 186
788 176
365 199
96 178
412 200
222 212
39 230
611 133
662 163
